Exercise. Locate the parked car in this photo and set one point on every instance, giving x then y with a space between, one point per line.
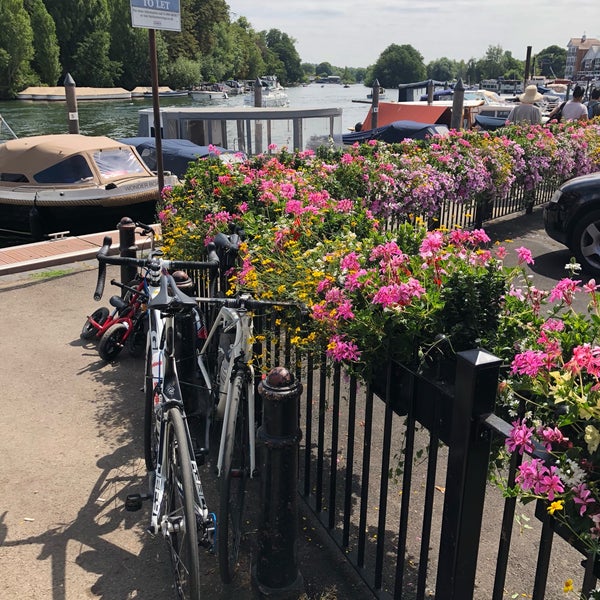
572 217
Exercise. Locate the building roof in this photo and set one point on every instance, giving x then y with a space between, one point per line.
583 43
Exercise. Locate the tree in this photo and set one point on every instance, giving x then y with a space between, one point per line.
16 48
282 46
397 64
442 69
551 62
183 74
324 69
45 60
82 27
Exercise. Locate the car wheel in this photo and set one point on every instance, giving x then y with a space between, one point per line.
586 242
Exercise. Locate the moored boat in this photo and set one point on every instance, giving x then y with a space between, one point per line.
75 183
212 91
272 94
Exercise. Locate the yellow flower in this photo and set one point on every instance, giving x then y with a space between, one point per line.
556 505
568 587
592 438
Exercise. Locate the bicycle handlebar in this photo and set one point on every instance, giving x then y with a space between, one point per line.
245 301
104 259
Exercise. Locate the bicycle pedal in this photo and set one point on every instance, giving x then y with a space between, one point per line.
134 502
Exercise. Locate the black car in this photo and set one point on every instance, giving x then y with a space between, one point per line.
572 217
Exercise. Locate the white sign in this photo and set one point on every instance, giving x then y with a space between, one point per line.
156 14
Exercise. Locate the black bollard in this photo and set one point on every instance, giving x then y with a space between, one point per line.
276 573
127 247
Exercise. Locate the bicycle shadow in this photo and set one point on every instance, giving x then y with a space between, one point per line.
120 575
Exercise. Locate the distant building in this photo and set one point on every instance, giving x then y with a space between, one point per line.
583 59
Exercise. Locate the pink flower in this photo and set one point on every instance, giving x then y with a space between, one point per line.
529 363
550 484
340 349
564 290
520 438
525 256
431 244
583 497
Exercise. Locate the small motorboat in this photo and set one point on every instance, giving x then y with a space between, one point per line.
396 132
75 183
178 154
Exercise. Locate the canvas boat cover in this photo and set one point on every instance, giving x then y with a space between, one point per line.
396 132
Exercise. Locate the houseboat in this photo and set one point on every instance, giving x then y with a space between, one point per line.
247 129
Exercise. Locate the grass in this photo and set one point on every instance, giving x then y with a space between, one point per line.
51 274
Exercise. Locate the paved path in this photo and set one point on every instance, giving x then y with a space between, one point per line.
71 450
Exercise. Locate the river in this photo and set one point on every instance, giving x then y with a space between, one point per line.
119 118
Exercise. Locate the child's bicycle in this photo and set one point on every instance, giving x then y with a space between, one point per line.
124 326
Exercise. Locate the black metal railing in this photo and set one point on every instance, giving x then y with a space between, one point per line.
396 471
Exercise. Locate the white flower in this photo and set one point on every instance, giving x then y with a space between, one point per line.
592 437
572 474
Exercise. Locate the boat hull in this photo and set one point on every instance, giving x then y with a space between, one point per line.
40 213
43 221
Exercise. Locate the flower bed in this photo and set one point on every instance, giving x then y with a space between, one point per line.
341 231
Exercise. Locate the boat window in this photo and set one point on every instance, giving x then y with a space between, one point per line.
14 177
71 170
117 162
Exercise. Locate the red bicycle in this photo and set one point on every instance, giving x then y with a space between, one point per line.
125 325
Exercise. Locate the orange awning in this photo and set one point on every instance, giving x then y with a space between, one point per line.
399 111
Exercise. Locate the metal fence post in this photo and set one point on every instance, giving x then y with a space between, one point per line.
468 456
276 570
127 247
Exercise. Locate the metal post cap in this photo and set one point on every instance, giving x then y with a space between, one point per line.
125 222
279 377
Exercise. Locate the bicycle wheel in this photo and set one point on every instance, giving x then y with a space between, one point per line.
234 474
111 342
178 509
89 330
150 425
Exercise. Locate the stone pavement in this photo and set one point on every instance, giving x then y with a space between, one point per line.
71 450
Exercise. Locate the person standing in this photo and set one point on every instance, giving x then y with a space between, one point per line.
526 111
593 106
574 109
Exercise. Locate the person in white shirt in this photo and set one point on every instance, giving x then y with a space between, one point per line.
526 111
574 109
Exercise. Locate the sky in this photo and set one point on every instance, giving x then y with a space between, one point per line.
353 33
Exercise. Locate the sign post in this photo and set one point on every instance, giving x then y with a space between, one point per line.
152 15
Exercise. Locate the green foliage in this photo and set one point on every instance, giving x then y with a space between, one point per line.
443 69
16 39
45 62
551 62
397 64
183 74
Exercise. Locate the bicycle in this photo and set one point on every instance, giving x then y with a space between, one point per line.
225 361
125 324
179 509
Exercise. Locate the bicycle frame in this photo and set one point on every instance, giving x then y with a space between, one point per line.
238 320
136 300
167 396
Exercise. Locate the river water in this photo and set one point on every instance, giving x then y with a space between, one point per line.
119 118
